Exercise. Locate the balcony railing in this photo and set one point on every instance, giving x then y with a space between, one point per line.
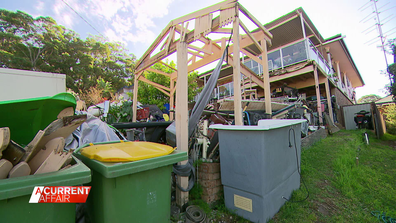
224 91
290 55
284 57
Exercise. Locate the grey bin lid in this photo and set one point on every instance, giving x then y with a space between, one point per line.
265 124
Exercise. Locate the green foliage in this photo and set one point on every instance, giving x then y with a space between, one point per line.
368 98
41 44
203 205
106 87
148 94
392 67
340 189
196 192
390 118
120 113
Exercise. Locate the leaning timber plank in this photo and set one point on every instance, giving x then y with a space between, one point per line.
56 144
5 167
4 139
54 162
20 170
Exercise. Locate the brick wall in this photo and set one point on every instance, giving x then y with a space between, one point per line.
209 178
341 100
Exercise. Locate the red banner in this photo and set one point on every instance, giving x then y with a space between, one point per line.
64 194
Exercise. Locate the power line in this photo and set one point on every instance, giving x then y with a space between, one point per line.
364 5
84 19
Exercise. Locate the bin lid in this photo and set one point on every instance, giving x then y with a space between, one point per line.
265 124
113 170
125 151
27 116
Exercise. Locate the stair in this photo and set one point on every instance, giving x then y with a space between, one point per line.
247 91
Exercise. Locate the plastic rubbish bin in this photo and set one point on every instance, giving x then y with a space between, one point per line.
258 166
27 116
15 195
138 191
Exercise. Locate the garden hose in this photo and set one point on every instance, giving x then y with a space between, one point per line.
186 170
382 216
194 214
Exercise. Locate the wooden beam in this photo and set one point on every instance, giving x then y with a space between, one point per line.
158 72
205 11
174 75
309 27
292 74
237 74
155 44
267 88
147 62
248 73
251 56
163 91
223 30
182 115
167 65
205 61
250 36
170 38
256 22
191 58
141 78
319 104
327 88
172 100
307 83
195 53
199 49
135 100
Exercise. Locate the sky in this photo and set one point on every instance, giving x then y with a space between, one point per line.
136 23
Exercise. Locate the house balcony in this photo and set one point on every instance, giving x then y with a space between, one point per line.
286 56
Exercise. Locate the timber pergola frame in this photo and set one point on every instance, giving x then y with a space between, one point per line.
177 38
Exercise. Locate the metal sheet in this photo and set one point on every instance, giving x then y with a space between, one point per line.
349 114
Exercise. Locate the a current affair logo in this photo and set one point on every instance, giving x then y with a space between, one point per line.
64 194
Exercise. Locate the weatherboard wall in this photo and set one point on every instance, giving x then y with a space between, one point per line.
22 84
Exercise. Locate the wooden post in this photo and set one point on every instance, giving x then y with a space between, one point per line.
338 71
345 81
329 56
135 93
319 104
237 72
205 140
172 100
327 87
267 89
182 115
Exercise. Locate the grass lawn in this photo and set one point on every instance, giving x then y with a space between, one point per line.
340 188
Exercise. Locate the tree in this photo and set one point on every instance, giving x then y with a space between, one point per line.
41 44
147 94
392 68
368 99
